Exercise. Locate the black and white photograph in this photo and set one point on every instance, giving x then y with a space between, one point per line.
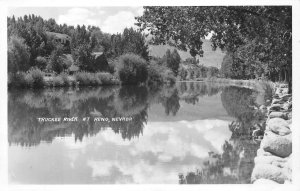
150 94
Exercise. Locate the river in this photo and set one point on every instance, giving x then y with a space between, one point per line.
192 132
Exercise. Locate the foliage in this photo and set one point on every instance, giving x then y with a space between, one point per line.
106 78
172 60
132 69
55 61
86 79
41 62
130 41
212 71
259 36
93 79
18 55
168 77
155 78
32 78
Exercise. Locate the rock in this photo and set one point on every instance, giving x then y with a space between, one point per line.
276 144
273 160
283 86
262 152
290 125
269 159
285 90
287 106
278 91
278 114
264 181
285 97
289 116
278 126
275 107
268 171
277 101
257 132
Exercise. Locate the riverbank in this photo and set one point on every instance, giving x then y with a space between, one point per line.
252 84
273 163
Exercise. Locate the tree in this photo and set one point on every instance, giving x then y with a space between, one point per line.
132 69
175 61
268 28
55 61
130 41
172 60
226 66
18 55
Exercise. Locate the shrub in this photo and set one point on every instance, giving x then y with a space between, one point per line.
168 77
105 78
58 81
18 55
35 78
132 69
86 78
65 79
155 77
41 62
17 79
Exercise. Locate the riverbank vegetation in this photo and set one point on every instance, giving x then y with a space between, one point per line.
257 39
42 53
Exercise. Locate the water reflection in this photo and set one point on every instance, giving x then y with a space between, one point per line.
191 129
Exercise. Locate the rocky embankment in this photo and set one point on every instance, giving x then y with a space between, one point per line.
273 163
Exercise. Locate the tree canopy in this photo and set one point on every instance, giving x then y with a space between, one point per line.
259 36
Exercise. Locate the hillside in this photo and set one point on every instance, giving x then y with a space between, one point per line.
210 57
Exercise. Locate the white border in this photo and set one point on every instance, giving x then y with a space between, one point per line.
4 4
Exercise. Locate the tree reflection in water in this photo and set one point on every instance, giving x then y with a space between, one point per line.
235 163
25 106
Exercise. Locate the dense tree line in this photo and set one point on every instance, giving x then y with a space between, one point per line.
28 41
190 69
257 38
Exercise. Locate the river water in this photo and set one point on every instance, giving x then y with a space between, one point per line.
187 133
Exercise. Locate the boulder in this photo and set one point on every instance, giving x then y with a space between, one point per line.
257 132
278 126
287 106
275 107
278 114
277 101
262 152
283 86
278 91
271 159
264 181
276 144
270 172
285 97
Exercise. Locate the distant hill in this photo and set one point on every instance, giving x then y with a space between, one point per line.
210 57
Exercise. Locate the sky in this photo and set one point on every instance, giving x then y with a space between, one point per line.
109 19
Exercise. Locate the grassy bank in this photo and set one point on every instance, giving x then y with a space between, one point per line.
37 79
252 84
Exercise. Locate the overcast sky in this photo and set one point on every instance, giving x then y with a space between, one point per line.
109 19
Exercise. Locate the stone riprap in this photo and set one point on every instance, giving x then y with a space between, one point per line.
274 157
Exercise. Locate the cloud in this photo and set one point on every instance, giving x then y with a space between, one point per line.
79 16
140 11
116 23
